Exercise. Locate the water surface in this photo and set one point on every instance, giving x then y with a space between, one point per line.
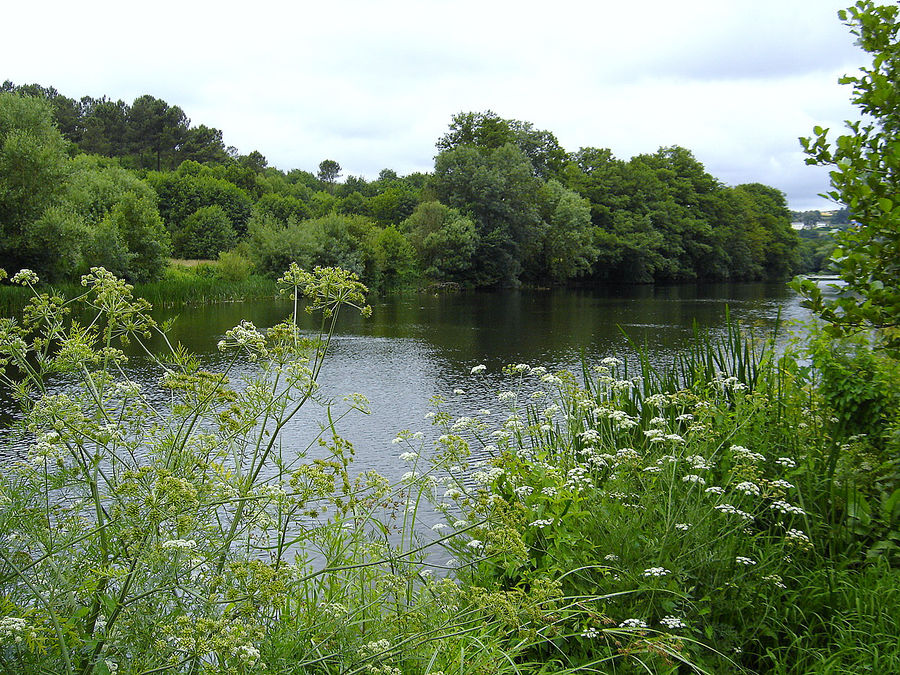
416 346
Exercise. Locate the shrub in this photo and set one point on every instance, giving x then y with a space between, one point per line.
205 233
233 266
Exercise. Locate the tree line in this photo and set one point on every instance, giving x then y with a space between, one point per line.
96 182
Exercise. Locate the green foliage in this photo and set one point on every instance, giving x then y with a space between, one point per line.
445 241
128 236
662 217
395 260
860 387
59 215
233 266
865 165
816 248
333 240
204 234
155 131
147 134
329 171
496 188
131 238
33 170
488 131
273 245
182 194
392 206
281 207
569 247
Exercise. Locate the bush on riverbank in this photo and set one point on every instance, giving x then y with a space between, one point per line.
719 516
229 279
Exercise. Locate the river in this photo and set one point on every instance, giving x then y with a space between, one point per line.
416 346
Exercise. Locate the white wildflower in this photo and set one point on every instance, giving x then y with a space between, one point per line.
633 623
733 510
655 572
541 523
247 653
748 488
480 368
783 484
185 544
783 507
672 622
698 462
775 579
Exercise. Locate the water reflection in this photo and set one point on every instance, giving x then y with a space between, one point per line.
417 346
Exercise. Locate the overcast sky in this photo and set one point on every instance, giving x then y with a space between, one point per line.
374 83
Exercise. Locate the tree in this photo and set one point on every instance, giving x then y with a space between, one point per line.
157 129
865 176
811 218
126 233
329 172
497 189
445 240
395 259
181 193
479 130
203 144
33 170
780 242
488 131
204 234
105 127
393 205
569 241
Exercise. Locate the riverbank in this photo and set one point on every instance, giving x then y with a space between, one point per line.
732 511
182 283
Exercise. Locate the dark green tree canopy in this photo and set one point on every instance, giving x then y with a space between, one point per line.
329 171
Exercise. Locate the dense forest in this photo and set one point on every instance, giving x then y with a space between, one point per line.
99 182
